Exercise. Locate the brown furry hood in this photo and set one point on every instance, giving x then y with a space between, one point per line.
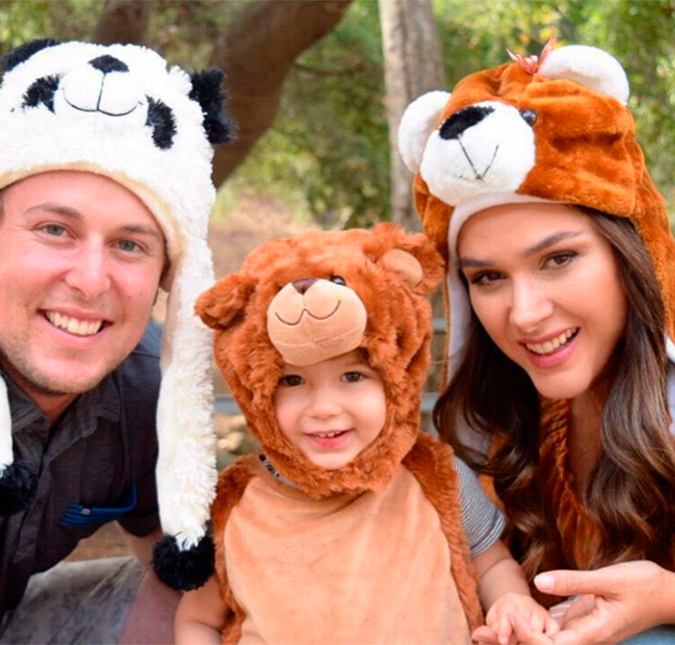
556 129
386 275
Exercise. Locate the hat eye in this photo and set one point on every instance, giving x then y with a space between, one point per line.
338 279
529 116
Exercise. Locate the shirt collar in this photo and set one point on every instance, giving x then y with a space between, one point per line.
101 402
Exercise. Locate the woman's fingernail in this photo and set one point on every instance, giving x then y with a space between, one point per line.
544 582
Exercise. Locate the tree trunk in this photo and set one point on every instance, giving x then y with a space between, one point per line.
257 52
123 21
412 66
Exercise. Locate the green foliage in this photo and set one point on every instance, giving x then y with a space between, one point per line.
329 142
22 20
327 152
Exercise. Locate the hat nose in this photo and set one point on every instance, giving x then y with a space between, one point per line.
107 64
463 120
302 285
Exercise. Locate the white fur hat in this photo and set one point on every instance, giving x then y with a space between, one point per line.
119 112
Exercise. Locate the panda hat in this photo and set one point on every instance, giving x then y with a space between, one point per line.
118 111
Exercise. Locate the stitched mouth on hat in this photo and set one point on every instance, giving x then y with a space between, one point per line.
293 323
477 175
75 326
97 109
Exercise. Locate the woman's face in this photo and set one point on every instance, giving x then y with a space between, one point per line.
546 287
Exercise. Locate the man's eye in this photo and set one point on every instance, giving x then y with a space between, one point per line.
128 246
54 229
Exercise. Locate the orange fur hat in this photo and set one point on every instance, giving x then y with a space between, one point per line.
321 294
554 129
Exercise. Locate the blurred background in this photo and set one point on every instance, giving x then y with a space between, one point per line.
316 83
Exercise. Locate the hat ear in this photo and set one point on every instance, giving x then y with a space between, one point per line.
405 265
24 52
208 92
590 67
417 124
220 305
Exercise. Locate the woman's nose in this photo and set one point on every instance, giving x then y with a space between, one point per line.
530 306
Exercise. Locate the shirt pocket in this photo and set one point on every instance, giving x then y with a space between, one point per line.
80 515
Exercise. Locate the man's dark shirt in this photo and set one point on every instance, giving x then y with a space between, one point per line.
103 445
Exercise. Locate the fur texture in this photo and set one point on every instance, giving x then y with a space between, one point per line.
571 121
396 338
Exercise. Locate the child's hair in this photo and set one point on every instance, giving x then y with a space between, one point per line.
494 395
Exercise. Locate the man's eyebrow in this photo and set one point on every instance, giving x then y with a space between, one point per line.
540 246
67 211
52 207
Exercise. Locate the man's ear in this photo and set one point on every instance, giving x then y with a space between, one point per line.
219 306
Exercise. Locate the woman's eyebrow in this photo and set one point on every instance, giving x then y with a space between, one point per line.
548 241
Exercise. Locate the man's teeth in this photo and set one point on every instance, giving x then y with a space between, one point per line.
551 345
72 325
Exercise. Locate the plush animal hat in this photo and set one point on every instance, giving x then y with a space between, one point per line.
119 112
554 129
322 294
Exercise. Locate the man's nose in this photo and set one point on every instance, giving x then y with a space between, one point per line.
530 306
90 273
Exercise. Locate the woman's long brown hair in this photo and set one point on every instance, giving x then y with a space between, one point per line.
630 492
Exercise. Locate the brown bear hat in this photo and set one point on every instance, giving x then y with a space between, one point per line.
548 129
321 294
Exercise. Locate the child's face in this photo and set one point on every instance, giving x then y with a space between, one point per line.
331 410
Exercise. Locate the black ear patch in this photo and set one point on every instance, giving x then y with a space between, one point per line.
25 51
208 92
163 124
41 92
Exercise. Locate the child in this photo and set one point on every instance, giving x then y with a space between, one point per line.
348 527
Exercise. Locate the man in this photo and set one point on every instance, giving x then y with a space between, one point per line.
106 192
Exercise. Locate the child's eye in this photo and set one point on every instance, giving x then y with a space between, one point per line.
353 377
290 380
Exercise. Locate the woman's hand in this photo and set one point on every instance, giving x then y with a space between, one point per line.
615 602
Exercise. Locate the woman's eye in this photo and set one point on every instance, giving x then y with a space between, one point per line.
485 278
562 259
338 279
290 380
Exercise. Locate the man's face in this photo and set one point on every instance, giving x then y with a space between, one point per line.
80 263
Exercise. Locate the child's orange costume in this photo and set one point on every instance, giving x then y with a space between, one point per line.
379 538
555 129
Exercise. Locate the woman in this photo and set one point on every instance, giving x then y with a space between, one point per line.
559 317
